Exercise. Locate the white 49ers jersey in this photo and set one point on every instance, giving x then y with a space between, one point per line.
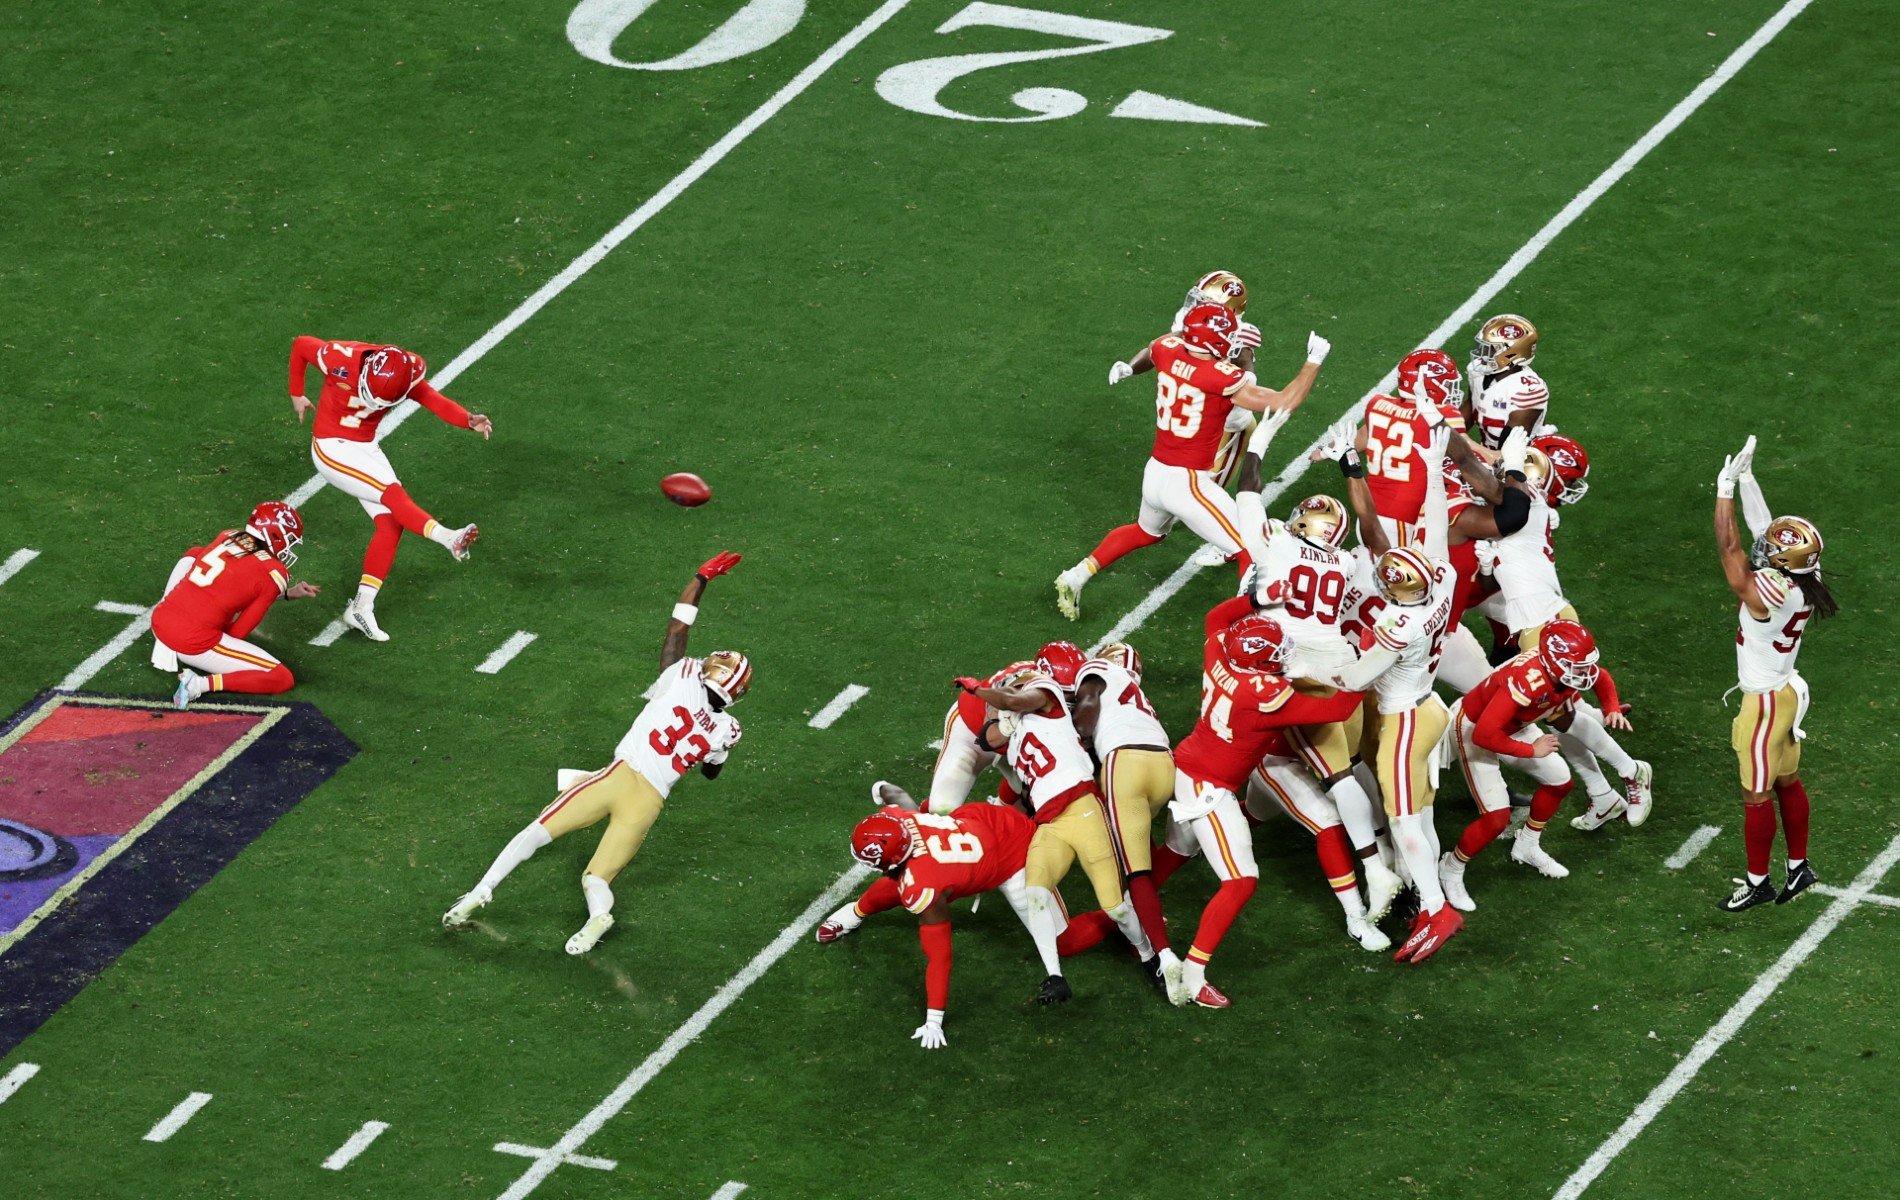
1417 632
1526 570
1765 650
677 730
1306 588
1496 400
1126 717
1047 752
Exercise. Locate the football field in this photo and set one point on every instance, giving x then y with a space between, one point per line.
863 266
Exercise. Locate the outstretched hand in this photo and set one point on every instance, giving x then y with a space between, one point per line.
968 683
717 565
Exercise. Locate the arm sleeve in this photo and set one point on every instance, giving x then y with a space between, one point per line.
426 395
1513 511
1372 664
1490 731
1754 507
1607 699
1437 524
254 612
936 943
1227 612
303 353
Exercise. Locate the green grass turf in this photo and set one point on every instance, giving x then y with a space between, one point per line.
881 336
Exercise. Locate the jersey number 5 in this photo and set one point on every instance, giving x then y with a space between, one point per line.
212 565
666 741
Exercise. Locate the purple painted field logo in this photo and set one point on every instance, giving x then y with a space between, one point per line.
114 810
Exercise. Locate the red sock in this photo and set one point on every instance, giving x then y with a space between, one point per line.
1335 858
1244 563
1545 802
879 896
1481 833
1147 901
1794 816
255 683
1758 834
405 510
1119 542
1085 932
1219 915
1165 861
381 555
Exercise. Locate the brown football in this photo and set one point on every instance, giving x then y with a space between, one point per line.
686 489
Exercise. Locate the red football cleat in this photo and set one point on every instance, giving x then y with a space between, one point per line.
831 931
1421 926
1444 923
1210 997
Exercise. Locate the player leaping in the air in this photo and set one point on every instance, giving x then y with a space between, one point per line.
361 383
684 725
1195 390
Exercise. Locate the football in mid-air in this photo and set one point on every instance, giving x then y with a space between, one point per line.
686 489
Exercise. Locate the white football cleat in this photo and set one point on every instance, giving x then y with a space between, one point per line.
185 694
1369 936
1451 879
1596 818
1639 793
590 934
1531 853
465 908
363 620
464 539
1382 886
1176 985
1209 555
1069 591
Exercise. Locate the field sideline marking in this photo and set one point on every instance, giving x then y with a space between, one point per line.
730 1191
684 1036
174 1120
1731 1023
1512 268
15 562
1695 844
16 1079
505 653
827 716
359 1142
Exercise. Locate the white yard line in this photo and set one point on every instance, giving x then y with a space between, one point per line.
504 654
82 674
684 1036
16 1079
1696 843
570 1160
176 1118
15 561
1501 279
730 1191
331 633
828 716
359 1142
1732 1021
1822 889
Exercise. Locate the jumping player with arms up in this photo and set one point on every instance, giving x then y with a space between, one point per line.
362 382
684 725
1779 586
1505 393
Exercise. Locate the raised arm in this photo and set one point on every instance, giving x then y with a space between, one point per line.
1755 511
1728 539
1252 510
680 627
1142 362
1437 524
1255 398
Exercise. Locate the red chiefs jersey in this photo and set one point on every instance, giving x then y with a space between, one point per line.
1241 714
341 412
1396 437
227 590
1530 691
965 854
1193 396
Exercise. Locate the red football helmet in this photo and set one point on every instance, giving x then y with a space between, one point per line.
1060 661
1430 377
1211 328
1569 468
1570 653
882 841
388 375
1122 655
1256 643
278 526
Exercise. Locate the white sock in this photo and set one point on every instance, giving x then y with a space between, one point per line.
600 897
847 916
519 849
1036 908
1418 846
1350 901
442 535
198 686
1586 726
1194 976
1530 837
1794 864
1123 915
1584 765
1355 812
366 596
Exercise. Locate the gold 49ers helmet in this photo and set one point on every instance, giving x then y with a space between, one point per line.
1122 655
1505 341
1219 287
728 675
1320 520
1405 576
1792 544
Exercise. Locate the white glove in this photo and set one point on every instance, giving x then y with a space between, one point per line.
1745 461
1517 444
1247 337
1317 348
1118 372
1725 481
1430 412
1008 722
930 1033
1262 436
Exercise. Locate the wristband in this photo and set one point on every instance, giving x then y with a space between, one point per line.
933 1016
685 613
1351 467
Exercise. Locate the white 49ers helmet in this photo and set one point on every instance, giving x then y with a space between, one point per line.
1505 341
728 675
1791 543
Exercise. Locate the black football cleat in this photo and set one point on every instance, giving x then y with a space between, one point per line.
1054 990
1748 895
1799 880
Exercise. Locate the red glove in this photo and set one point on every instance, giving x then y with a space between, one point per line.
967 683
717 565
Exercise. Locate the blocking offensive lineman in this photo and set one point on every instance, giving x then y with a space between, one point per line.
684 725
362 382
